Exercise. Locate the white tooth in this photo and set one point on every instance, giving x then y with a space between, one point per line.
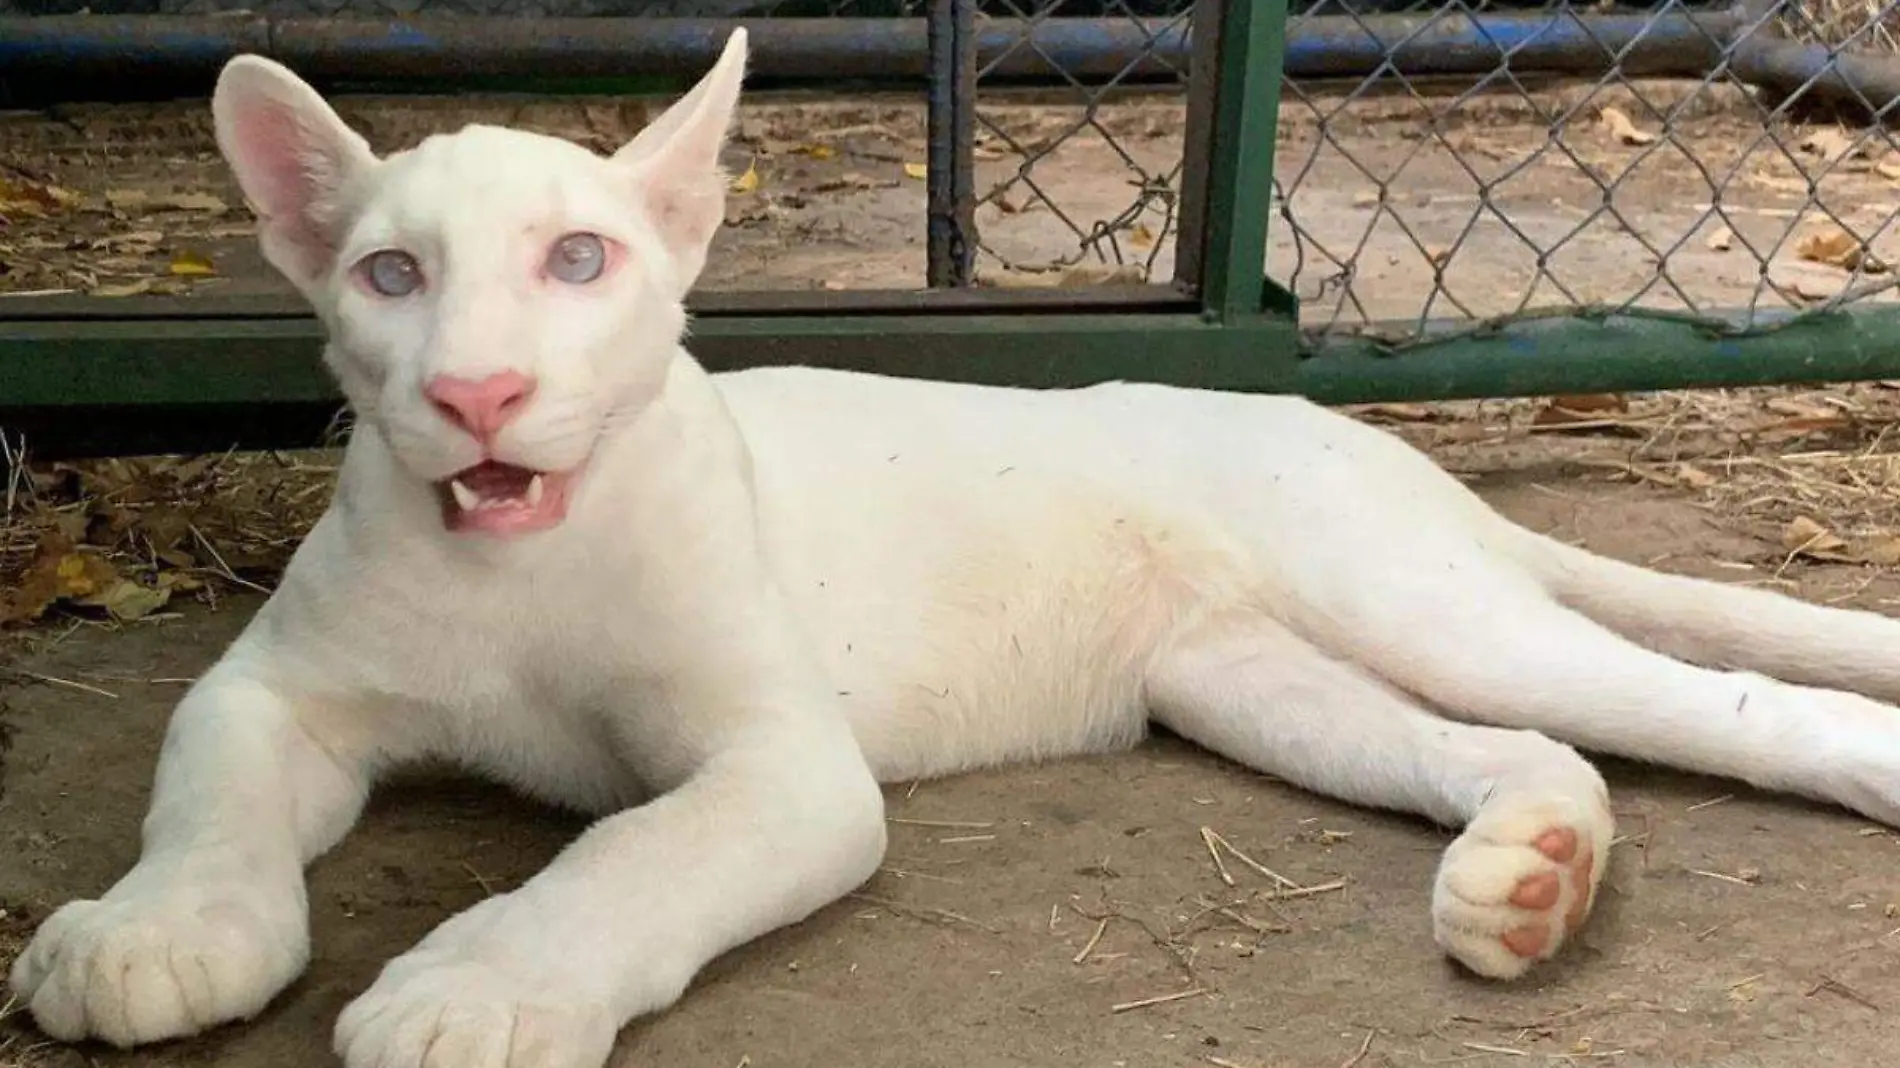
465 498
534 492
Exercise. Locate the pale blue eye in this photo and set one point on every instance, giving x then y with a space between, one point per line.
577 259
393 273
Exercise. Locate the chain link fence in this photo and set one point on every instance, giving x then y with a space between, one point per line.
1072 156
1083 186
1732 164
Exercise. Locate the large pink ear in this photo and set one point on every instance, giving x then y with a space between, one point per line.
675 161
291 155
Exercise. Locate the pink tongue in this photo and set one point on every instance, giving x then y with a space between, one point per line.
492 480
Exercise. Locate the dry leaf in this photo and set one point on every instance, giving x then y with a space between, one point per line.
1592 402
1694 477
918 171
1800 427
1438 256
816 151
1889 171
21 197
127 600
1554 416
747 182
1399 411
1836 247
188 264
1721 240
1882 553
1805 536
1621 128
1365 200
1830 143
1141 236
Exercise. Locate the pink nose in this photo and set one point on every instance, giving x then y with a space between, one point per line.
480 406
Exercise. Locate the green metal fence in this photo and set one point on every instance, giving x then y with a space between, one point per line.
1277 277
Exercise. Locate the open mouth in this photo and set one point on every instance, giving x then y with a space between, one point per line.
498 498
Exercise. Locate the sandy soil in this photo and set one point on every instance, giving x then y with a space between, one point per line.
963 952
1738 930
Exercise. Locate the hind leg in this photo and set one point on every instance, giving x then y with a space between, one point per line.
1481 641
1521 878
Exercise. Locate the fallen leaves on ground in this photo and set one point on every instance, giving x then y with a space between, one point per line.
918 171
1721 240
747 182
1623 129
1582 411
19 196
1807 537
190 264
1831 143
119 539
1399 411
1834 246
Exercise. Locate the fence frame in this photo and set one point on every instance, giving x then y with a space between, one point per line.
93 376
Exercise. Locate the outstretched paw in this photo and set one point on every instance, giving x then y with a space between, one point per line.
141 969
1520 881
484 990
470 1014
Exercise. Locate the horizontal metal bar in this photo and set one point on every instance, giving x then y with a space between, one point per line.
1075 300
205 383
1867 83
126 47
1559 40
1603 354
108 56
86 387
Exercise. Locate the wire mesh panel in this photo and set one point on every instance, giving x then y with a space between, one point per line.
1068 153
1083 183
1464 161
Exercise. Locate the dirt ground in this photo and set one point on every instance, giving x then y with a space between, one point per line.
1739 930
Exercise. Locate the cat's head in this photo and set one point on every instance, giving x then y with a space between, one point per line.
495 300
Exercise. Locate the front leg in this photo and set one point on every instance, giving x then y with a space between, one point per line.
212 921
781 821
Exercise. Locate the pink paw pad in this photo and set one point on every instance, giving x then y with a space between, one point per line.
1542 891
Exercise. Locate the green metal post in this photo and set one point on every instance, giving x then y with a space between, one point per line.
1250 54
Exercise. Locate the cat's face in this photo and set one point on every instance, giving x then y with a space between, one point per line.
495 300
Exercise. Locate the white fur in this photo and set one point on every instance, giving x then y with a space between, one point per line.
775 588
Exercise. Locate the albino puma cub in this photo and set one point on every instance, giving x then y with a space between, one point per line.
719 610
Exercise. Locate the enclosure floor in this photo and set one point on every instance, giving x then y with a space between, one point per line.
962 954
